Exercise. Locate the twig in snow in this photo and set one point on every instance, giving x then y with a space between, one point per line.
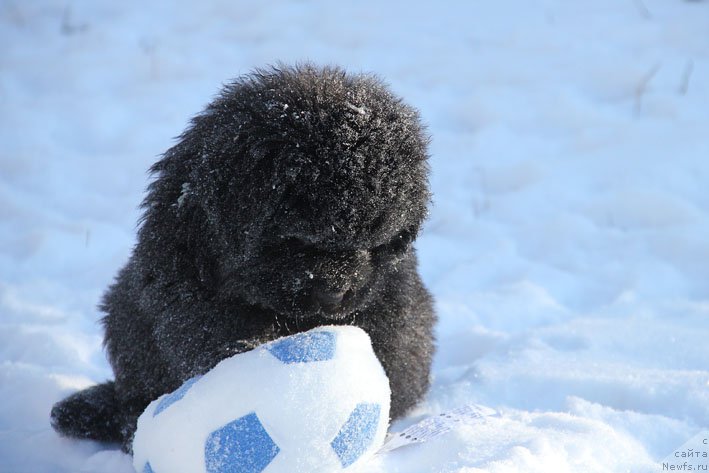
68 26
642 8
149 47
15 13
686 75
642 87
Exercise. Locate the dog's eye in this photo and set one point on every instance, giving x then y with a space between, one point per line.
293 243
402 241
285 245
397 245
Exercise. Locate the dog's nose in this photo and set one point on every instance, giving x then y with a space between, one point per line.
329 299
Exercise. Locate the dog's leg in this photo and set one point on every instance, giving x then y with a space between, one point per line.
402 337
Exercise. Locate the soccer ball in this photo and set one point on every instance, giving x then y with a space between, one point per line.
316 401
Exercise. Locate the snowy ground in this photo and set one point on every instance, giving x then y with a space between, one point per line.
568 247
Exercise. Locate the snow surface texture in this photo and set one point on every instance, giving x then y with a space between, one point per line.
567 247
326 385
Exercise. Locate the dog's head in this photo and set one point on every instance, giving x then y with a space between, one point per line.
302 188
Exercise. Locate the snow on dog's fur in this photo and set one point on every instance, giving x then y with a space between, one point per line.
290 202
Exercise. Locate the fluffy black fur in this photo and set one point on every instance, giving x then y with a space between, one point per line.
290 202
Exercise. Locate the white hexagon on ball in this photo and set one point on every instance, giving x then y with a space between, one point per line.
316 401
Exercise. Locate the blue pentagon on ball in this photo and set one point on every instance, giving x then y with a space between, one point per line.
305 347
357 433
241 446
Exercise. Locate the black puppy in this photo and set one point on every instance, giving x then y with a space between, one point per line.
290 202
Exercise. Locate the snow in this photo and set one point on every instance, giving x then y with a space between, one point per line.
567 246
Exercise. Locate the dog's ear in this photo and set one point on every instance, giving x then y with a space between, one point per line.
195 238
174 233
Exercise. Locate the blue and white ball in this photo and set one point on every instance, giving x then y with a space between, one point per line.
317 401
